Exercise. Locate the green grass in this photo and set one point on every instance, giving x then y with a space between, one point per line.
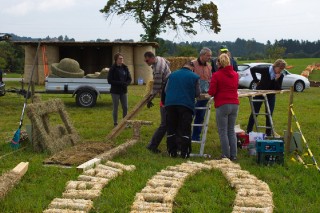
295 188
12 75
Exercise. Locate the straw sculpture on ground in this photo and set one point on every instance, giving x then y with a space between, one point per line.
45 136
253 195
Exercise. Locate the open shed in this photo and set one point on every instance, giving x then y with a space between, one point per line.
92 57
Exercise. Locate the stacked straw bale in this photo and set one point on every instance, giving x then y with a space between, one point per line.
79 194
308 70
177 62
253 195
51 138
11 178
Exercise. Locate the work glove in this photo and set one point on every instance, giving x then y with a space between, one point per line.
150 104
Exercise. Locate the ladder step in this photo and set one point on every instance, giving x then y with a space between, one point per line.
202 108
197 142
261 113
258 100
198 124
266 127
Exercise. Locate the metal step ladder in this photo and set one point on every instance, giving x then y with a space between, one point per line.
267 113
204 125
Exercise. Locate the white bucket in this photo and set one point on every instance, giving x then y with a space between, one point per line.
140 81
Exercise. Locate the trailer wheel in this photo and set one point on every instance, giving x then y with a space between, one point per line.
86 98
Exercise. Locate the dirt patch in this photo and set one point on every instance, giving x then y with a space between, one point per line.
76 155
315 83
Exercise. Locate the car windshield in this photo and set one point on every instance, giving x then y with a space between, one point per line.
242 67
285 72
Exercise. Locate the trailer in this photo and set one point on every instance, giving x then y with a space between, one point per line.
85 90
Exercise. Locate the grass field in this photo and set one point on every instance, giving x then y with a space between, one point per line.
295 188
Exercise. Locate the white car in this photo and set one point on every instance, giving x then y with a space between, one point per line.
299 82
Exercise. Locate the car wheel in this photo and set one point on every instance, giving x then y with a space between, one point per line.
86 98
253 85
298 86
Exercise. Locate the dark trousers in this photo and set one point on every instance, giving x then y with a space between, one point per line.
198 119
179 119
160 132
257 105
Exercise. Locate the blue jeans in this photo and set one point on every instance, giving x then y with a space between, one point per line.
257 105
198 119
226 116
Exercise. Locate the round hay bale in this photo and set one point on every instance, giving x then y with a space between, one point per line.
126 51
141 69
131 70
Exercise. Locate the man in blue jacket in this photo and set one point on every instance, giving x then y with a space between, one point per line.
181 90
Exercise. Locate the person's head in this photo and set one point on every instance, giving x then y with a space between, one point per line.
189 64
118 59
223 49
279 65
149 57
205 55
223 60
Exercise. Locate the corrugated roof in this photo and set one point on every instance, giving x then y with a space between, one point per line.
86 43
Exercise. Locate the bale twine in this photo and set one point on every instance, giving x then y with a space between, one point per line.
141 69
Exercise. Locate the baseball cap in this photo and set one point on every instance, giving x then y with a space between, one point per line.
223 48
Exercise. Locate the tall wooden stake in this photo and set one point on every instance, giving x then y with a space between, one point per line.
289 131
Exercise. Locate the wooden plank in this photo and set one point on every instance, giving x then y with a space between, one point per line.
89 164
118 129
21 168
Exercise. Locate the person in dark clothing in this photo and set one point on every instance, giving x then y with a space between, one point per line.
119 77
182 88
271 79
233 62
161 71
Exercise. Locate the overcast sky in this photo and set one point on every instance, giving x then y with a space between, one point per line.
261 20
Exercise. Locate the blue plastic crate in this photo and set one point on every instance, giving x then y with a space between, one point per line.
269 146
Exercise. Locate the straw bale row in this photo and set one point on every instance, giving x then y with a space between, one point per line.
9 179
309 69
253 195
79 194
161 189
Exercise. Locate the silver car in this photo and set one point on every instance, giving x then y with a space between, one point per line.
299 82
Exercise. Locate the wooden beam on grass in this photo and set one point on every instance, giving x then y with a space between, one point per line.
118 129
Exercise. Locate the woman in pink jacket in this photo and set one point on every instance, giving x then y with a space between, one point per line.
224 89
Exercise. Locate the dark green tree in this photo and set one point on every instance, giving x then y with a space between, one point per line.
274 52
157 16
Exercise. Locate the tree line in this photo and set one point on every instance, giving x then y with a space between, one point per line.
12 56
245 49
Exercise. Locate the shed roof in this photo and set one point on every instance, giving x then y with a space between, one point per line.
87 43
